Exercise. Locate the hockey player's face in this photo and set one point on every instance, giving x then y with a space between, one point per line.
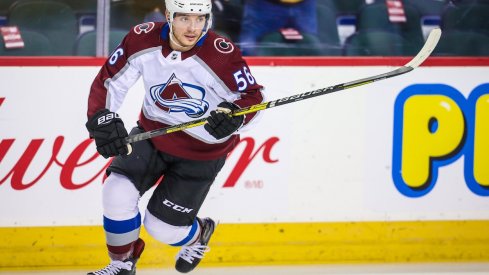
187 28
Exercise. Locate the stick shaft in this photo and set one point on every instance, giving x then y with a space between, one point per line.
269 104
428 47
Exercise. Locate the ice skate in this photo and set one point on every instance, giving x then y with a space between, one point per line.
126 267
190 256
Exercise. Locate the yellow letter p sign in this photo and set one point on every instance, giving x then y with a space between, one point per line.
429 132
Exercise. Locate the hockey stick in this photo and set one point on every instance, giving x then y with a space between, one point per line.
423 54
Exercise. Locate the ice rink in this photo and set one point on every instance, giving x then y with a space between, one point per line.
357 269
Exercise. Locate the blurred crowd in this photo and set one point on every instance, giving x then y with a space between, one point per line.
265 27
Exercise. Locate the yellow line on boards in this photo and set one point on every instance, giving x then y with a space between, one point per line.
83 247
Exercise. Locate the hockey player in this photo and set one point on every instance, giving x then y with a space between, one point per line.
188 72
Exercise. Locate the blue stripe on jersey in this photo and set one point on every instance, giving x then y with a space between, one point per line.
165 31
201 40
121 227
190 235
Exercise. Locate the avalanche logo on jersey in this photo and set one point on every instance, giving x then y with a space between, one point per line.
175 96
144 27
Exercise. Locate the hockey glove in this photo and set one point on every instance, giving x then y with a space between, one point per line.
109 133
220 124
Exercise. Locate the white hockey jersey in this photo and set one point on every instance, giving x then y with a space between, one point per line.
179 86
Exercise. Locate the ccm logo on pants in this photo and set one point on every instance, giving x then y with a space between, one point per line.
177 207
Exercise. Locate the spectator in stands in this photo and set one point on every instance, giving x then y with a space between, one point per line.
152 10
154 16
264 16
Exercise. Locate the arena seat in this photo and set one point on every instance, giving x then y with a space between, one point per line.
86 43
53 19
125 14
375 17
35 44
4 5
328 31
82 6
378 43
343 6
273 44
462 43
467 17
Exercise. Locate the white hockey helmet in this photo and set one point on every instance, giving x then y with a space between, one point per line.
191 7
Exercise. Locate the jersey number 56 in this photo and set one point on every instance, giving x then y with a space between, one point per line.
243 79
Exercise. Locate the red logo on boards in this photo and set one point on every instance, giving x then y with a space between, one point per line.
77 159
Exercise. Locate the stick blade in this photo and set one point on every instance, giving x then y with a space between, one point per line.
428 47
